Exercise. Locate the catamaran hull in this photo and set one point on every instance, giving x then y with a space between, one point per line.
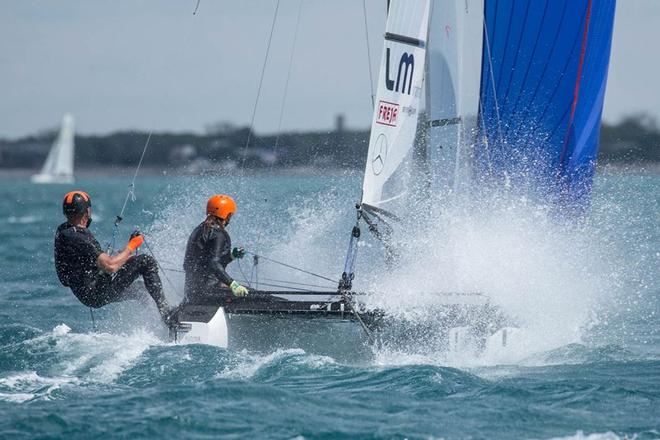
264 333
326 324
202 325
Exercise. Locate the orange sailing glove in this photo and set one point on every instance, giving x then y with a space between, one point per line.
135 242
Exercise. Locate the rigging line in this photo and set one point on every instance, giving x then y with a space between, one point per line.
91 313
274 280
366 38
286 82
158 264
492 80
130 194
131 187
279 126
196 7
292 267
255 266
171 269
256 101
283 286
367 330
251 274
245 280
249 283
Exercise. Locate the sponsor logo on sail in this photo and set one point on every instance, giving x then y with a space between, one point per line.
409 110
379 154
388 113
404 76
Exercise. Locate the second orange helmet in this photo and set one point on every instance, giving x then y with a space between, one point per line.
221 206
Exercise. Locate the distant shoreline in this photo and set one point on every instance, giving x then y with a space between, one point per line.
122 171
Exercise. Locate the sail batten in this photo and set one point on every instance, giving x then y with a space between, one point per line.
389 36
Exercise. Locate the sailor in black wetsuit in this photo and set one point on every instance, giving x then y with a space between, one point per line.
209 251
96 278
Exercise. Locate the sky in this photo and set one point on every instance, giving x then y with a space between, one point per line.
153 65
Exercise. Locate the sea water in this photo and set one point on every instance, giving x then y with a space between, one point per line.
587 298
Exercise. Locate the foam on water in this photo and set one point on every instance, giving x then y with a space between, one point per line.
74 359
27 386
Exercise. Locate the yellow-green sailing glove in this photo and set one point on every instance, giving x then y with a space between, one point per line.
238 290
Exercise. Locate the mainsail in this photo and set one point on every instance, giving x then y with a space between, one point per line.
58 167
387 178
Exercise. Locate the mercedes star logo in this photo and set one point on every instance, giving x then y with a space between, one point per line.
380 154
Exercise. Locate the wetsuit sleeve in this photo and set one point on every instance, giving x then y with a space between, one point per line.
220 255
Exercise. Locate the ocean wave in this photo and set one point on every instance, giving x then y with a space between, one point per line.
11 334
582 354
280 362
28 386
519 351
63 356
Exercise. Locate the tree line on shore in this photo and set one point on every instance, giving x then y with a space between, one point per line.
633 140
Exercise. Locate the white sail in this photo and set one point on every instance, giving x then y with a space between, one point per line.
399 95
58 167
452 89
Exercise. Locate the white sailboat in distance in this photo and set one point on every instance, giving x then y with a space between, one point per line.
58 167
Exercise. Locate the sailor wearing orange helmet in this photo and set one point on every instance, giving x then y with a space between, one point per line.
95 277
209 251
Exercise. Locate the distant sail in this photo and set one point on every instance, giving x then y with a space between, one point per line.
58 167
397 106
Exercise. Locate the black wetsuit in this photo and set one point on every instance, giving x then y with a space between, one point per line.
76 254
207 254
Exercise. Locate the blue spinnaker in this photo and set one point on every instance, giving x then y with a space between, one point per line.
544 70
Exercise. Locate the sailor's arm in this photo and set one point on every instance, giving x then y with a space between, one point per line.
222 274
112 263
222 254
216 260
236 288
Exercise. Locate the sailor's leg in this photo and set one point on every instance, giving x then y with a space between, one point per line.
96 291
145 266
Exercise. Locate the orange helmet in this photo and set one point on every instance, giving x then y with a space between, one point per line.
76 203
221 206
